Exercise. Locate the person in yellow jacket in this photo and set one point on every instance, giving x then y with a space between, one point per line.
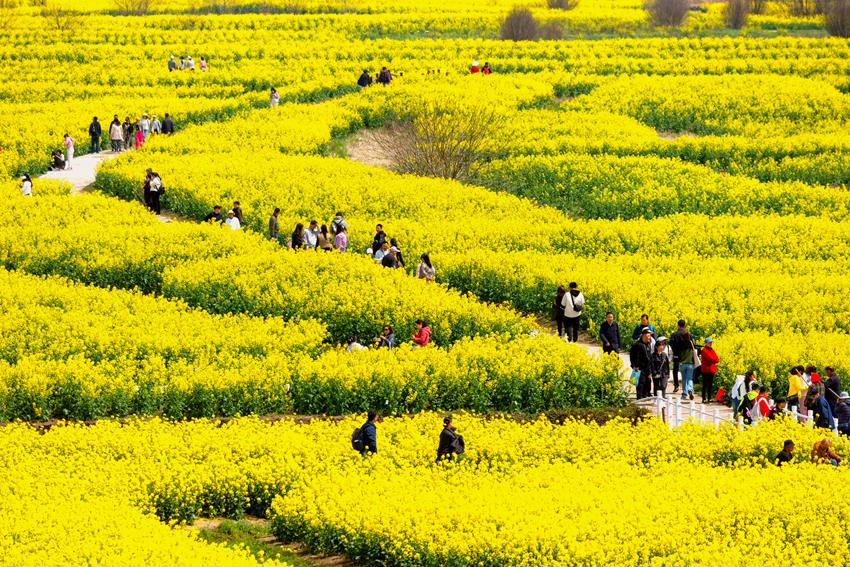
796 390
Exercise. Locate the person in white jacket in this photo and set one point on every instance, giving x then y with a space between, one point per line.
740 389
310 235
232 221
26 186
573 303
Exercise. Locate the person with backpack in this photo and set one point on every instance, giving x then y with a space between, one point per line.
451 443
156 191
365 79
609 334
365 438
761 407
385 77
822 413
338 224
708 369
573 303
740 389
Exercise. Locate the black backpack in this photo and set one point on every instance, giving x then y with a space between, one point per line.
357 440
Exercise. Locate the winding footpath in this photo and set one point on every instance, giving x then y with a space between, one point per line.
82 177
83 173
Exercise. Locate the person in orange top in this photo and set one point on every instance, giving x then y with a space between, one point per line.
422 336
708 368
822 453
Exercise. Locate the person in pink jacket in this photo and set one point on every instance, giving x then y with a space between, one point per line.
422 336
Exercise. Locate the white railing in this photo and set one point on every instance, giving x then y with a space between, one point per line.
673 412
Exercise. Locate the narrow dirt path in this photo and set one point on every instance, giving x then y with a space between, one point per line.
83 172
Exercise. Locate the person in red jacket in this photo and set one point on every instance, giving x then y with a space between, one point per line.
474 68
708 368
486 69
422 336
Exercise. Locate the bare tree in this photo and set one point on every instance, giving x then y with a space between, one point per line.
670 13
758 6
735 13
804 7
837 14
58 18
441 141
134 7
562 4
519 25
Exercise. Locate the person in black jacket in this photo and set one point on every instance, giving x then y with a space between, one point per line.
365 79
609 334
380 238
94 132
660 365
451 443
640 358
167 125
370 434
678 345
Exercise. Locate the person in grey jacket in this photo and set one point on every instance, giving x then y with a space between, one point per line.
573 303
274 228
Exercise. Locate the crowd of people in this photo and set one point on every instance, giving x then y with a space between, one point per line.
186 63
123 136
451 444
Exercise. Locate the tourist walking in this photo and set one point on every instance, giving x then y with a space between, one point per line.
660 367
451 443
425 270
156 125
365 437
822 413
558 310
739 390
832 387
640 360
677 346
127 133
609 334
274 227
274 98
94 133
167 125
116 135
378 241
156 192
708 369
688 360
573 303
68 142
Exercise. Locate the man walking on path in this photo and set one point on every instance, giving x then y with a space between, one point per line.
274 227
573 303
116 135
95 132
833 388
640 358
677 346
609 334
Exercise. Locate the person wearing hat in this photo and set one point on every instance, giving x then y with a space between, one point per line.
660 367
708 369
232 221
842 413
640 360
474 68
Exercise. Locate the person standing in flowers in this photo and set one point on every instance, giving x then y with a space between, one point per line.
138 136
451 443
172 64
609 334
156 125
274 227
369 432
296 241
378 241
323 241
832 387
146 189
365 79
214 215
677 346
708 369
232 221
237 212
486 70
94 133
398 254
68 143
145 124
422 334
386 339
338 224
786 454
341 240
26 185
274 98
822 413
310 237
573 303
796 389
385 77
474 68
640 360
842 413
425 270
167 125
156 192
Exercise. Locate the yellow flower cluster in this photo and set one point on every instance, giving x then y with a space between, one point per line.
578 492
